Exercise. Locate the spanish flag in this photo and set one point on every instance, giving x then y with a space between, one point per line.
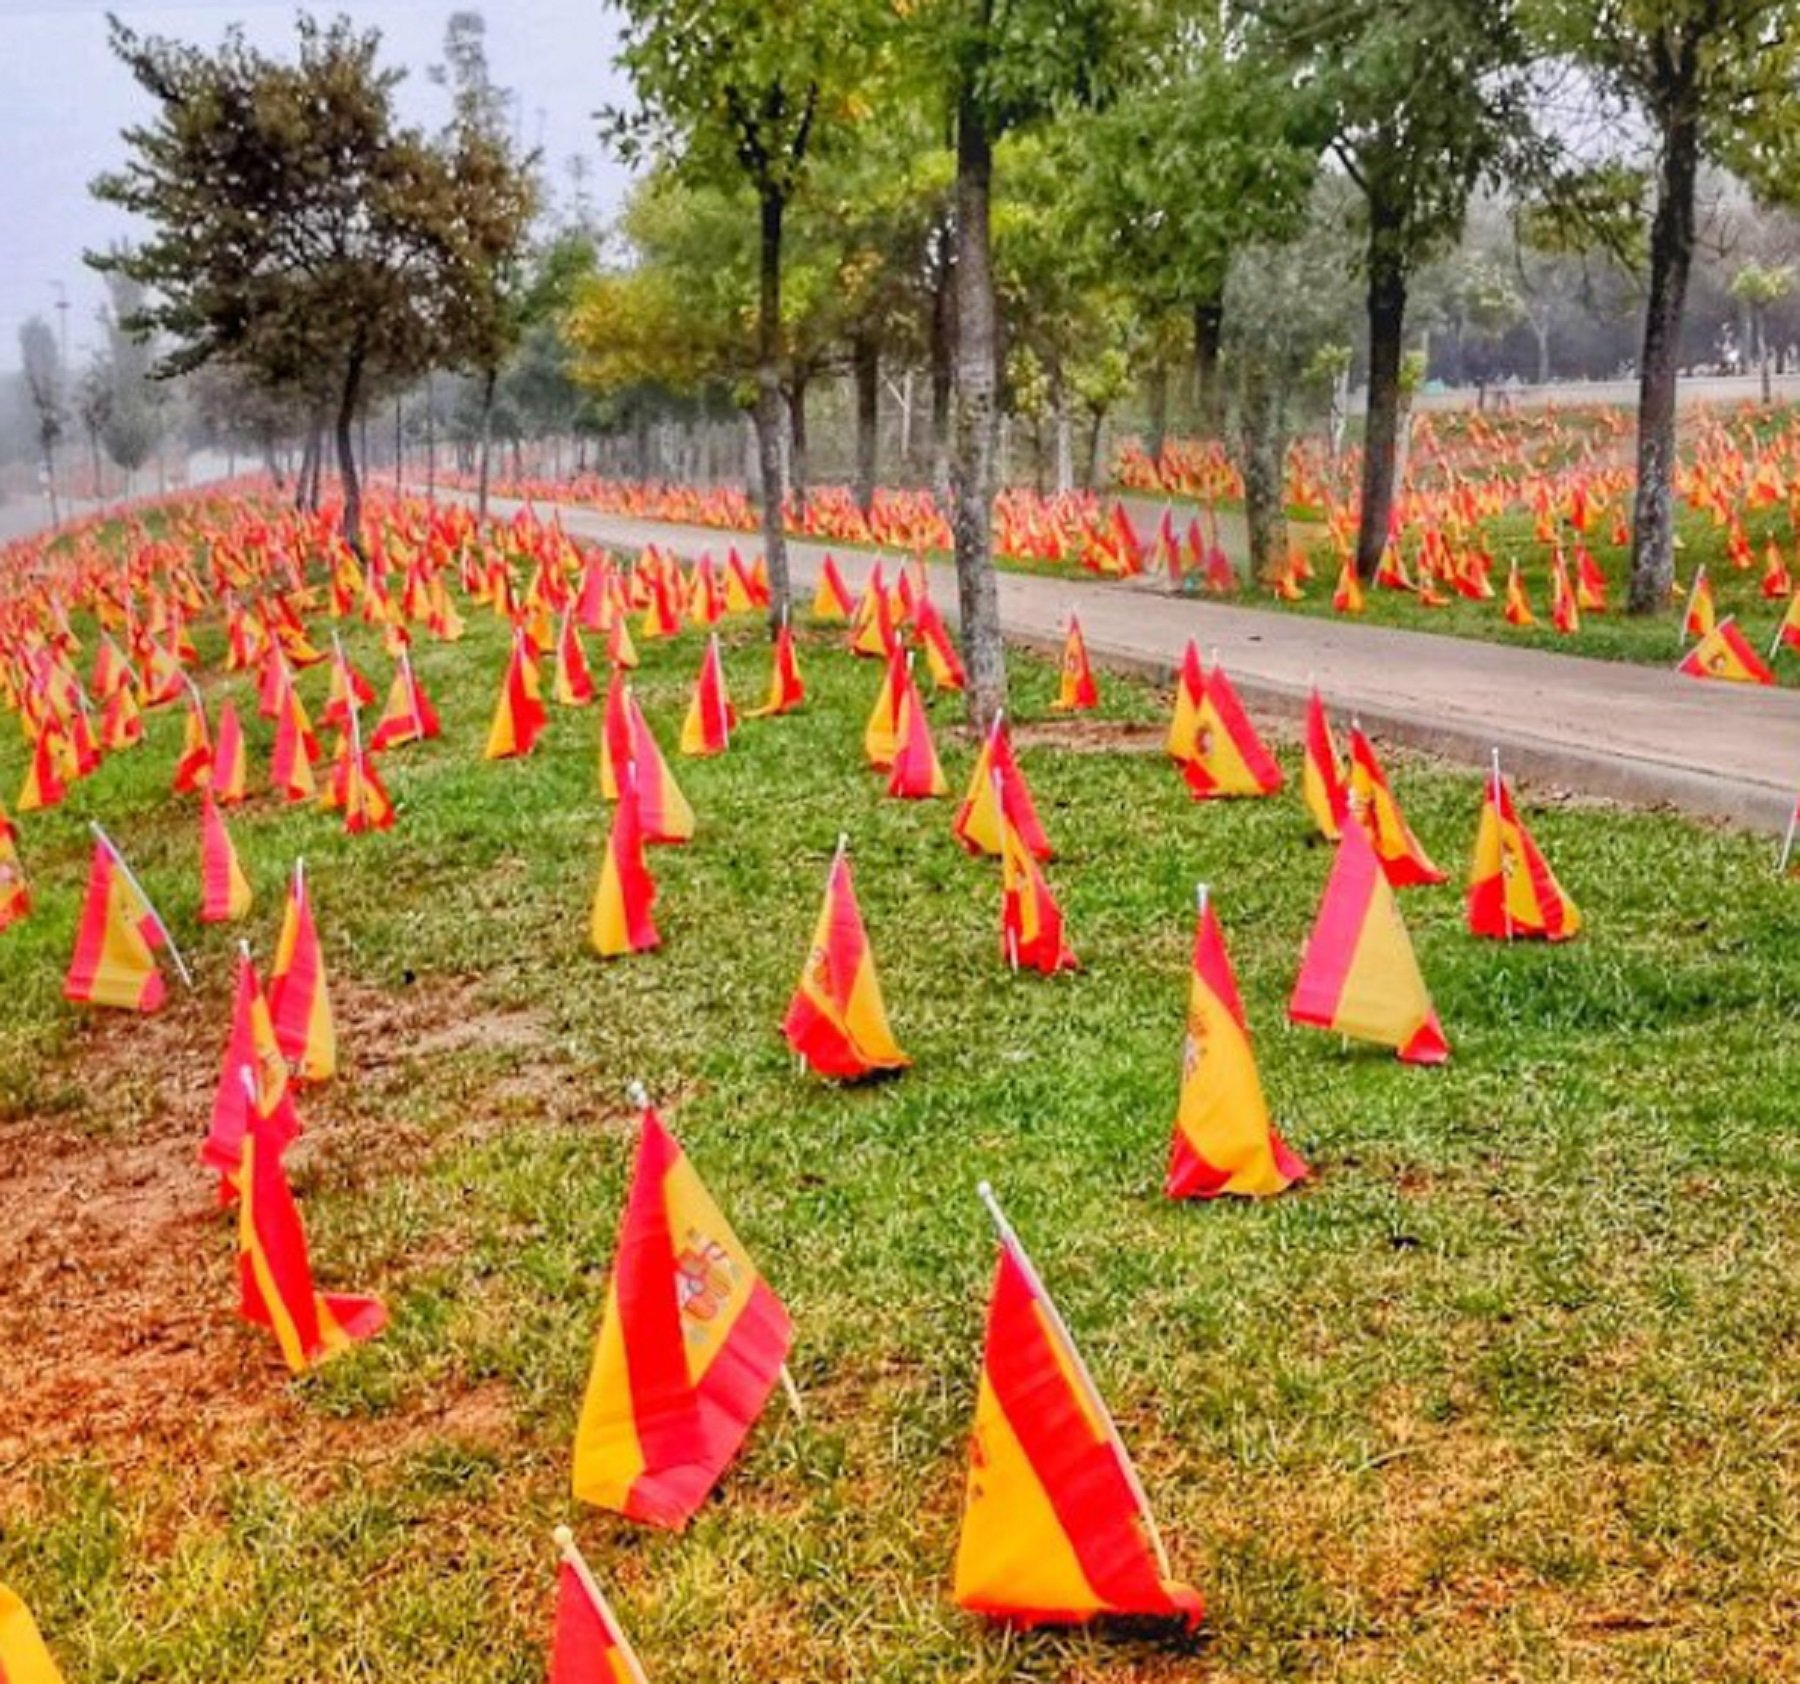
23 1657
1224 1141
787 690
1373 806
349 689
1031 923
663 811
881 735
15 893
940 653
1321 776
917 774
44 786
229 763
1517 608
831 600
691 1344
1347 594
274 1271
121 721
977 822
253 1049
195 765
296 750
710 717
1227 757
1076 691
1725 653
1358 975
621 919
836 1020
589 1646
574 682
519 715
357 791
1056 1526
1700 616
408 716
1787 634
115 961
1190 693
299 1000
1512 890
224 890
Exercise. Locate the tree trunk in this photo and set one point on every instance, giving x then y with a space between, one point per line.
972 449
399 446
865 359
430 440
1209 396
490 378
1065 434
943 354
797 456
348 402
1541 331
309 457
1671 255
1156 391
1261 426
768 406
1387 322
1093 450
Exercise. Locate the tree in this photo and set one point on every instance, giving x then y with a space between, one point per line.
1422 99
1758 285
43 370
297 228
129 417
745 91
1712 79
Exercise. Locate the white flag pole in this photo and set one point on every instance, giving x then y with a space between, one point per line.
1008 1238
144 900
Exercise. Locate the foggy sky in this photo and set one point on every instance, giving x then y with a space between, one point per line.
64 99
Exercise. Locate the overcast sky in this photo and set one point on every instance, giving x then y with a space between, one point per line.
64 98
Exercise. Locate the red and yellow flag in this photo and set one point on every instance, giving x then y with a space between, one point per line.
691 1344
663 811
977 822
881 734
1724 652
621 919
1700 616
1190 692
224 890
1227 757
299 1000
940 653
296 749
831 600
837 1021
1359 975
1565 611
589 1645
44 786
1372 805
253 1050
1787 634
15 893
574 681
1347 594
1224 1141
1056 1526
1076 690
24 1659
1512 890
520 715
275 1277
1321 774
115 960
195 765
1517 610
917 773
230 768
710 717
408 716
787 690
1031 923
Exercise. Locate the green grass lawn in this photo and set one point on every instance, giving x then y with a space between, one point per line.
1508 1393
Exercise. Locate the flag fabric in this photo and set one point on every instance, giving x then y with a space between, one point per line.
275 1278
1056 1527
941 657
710 717
1077 691
1031 923
691 1343
251 1051
1227 758
1787 634
114 963
224 890
356 789
588 1646
837 1021
831 600
1321 773
1512 890
194 766
520 715
881 733
1190 693
299 999
24 1658
574 681
621 919
787 690
1224 1141
1359 975
1347 594
917 774
1700 616
408 715
44 786
977 822
663 811
15 892
1372 805
1725 653
296 749
1517 611
1565 611
229 762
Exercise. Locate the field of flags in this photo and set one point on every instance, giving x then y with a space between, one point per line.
693 1337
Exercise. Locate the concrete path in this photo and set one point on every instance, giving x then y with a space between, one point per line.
1643 735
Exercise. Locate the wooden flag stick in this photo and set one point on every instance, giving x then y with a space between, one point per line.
793 1394
1010 1239
144 900
567 1548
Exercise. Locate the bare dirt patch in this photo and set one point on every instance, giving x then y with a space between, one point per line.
1093 736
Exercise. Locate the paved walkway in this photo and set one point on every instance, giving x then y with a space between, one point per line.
1643 735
